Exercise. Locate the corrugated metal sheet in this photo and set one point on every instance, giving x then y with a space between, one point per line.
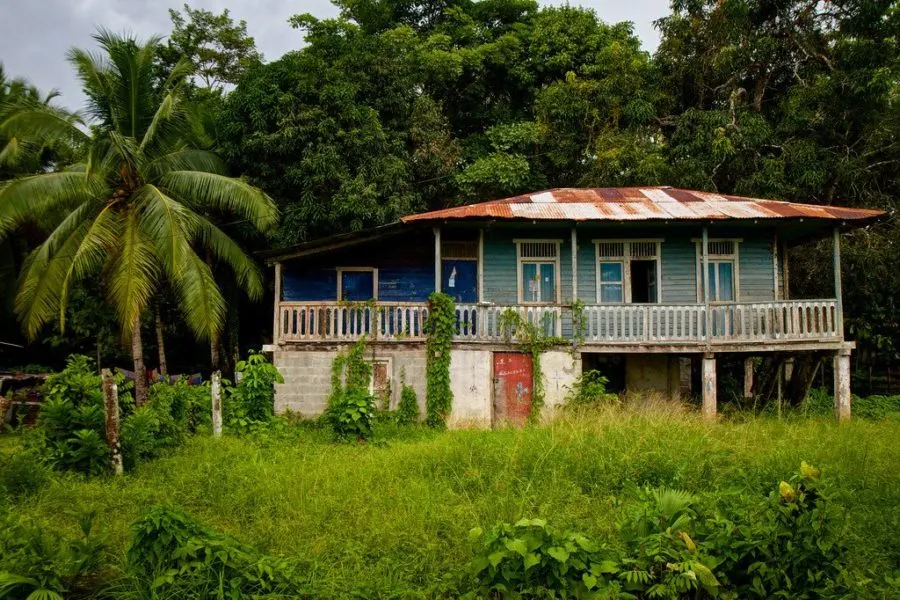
640 204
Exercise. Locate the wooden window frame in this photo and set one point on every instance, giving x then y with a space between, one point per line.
342 270
625 261
734 258
520 288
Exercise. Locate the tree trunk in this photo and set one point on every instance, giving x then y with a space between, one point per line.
111 410
140 372
215 393
214 355
161 345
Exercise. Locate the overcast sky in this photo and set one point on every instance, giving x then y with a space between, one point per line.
35 34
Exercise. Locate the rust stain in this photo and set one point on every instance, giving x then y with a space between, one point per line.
635 204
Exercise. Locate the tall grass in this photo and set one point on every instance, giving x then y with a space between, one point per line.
390 518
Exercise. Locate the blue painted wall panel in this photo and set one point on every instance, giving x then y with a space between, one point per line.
679 271
309 284
757 270
412 283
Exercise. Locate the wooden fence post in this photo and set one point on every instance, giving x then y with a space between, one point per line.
111 411
216 394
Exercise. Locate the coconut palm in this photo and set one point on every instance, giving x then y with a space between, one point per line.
139 204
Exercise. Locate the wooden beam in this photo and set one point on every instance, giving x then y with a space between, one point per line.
480 264
704 255
837 282
277 320
709 387
574 265
842 385
437 259
786 285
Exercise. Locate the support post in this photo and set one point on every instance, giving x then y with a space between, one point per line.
842 385
215 392
276 337
704 253
111 412
786 283
789 369
673 378
748 377
437 259
709 387
574 265
481 265
838 296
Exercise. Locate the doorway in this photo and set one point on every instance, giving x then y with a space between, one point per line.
643 282
512 388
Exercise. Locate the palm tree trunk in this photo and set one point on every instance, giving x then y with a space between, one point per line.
140 373
215 338
161 344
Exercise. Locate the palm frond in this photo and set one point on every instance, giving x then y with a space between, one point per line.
199 297
43 124
245 269
163 113
21 199
203 191
168 223
184 159
133 273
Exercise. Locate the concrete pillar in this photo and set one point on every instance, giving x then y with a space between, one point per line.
709 386
215 392
788 369
842 385
748 377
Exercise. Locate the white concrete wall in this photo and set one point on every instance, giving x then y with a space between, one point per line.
471 384
560 370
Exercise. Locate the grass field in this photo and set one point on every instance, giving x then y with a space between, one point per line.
390 518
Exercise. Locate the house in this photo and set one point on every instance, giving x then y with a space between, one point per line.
648 281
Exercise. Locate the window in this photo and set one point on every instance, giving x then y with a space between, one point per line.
538 272
459 270
722 270
357 284
628 271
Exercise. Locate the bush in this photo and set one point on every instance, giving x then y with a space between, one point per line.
189 405
253 399
351 407
589 389
38 565
173 555
784 545
22 473
408 410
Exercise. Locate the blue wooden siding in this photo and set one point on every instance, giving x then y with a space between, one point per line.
500 260
757 270
679 271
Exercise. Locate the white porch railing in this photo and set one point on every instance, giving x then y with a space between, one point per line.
757 322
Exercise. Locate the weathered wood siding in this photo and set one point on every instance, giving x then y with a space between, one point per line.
757 270
679 271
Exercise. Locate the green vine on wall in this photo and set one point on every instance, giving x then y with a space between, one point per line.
579 324
533 340
440 326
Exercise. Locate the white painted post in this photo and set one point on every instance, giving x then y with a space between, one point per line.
437 259
574 265
276 338
704 252
215 391
786 288
111 412
748 377
842 385
481 265
709 387
837 283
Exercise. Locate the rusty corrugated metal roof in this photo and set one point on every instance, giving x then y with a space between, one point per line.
640 204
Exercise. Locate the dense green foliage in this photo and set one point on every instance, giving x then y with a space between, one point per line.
589 390
254 395
408 409
392 518
351 407
440 327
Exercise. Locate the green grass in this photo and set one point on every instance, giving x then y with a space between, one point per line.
390 518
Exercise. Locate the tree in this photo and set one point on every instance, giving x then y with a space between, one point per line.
220 50
137 201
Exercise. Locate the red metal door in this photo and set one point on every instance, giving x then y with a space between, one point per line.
512 388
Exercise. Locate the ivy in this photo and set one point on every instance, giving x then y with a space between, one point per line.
350 405
533 341
441 325
579 324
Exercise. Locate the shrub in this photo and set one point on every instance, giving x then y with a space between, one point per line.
22 473
408 410
351 407
189 405
254 395
175 556
39 565
589 389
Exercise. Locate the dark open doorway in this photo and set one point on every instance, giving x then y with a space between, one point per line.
643 281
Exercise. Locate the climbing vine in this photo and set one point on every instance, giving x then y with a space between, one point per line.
534 341
440 327
579 324
350 406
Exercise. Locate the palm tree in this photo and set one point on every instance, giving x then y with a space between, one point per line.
139 203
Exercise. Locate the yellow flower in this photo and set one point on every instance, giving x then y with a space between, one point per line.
786 491
808 471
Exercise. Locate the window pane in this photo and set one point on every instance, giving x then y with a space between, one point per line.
548 282
531 283
726 282
611 293
712 282
357 286
611 272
